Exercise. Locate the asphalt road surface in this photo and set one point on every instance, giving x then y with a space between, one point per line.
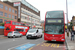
22 43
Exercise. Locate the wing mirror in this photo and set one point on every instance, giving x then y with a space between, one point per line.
37 31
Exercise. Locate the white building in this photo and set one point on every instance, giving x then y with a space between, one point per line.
28 13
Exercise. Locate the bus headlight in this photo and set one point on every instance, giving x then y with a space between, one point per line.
62 39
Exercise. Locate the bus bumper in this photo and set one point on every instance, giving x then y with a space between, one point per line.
55 39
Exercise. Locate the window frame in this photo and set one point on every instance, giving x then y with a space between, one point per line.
1 13
5 14
1 6
13 10
6 8
15 17
9 15
10 9
1 20
12 16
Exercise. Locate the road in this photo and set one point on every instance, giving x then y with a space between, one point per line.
22 43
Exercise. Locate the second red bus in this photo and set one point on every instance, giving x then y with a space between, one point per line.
15 26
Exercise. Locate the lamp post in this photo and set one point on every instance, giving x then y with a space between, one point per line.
67 13
31 22
67 17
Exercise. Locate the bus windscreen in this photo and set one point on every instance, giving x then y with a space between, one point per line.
54 29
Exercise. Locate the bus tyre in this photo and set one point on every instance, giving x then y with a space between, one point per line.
14 36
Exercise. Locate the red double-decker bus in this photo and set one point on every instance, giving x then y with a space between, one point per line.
15 26
54 26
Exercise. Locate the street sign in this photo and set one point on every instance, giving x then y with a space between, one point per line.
17 4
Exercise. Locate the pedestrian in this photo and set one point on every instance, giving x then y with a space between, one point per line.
72 35
67 33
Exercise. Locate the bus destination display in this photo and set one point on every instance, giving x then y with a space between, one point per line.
54 21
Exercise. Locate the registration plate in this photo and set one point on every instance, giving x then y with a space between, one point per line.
29 36
53 40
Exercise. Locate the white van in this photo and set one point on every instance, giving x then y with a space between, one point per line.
34 33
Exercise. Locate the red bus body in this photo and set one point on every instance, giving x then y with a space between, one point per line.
54 37
8 27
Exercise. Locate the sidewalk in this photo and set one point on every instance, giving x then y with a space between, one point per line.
70 44
2 36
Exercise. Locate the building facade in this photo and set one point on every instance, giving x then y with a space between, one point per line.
28 14
7 12
42 24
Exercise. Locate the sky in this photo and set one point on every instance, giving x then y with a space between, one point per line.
48 5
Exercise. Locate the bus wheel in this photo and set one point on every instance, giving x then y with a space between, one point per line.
14 36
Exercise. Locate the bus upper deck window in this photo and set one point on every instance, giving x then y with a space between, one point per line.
23 24
13 23
8 22
19 24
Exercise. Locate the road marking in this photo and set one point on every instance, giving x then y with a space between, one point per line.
18 46
57 45
46 44
49 44
24 47
53 45
37 44
30 48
